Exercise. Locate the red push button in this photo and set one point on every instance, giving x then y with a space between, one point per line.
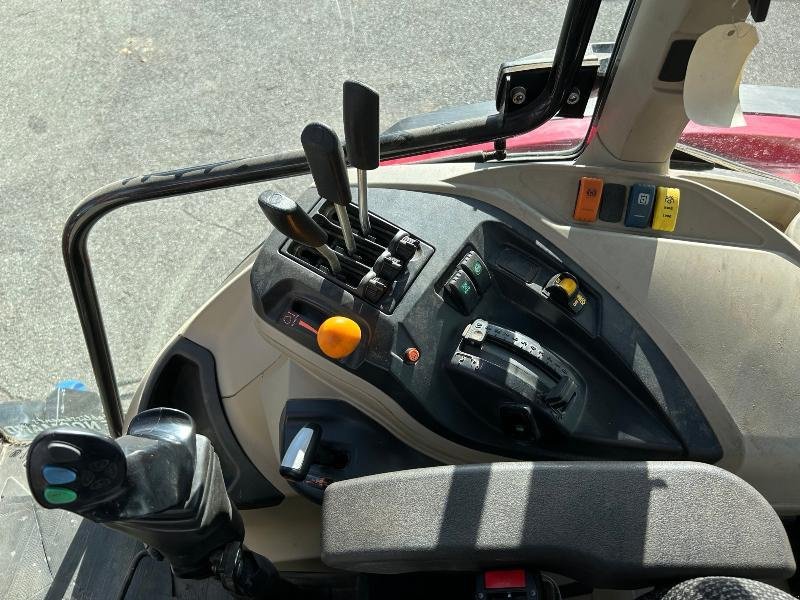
588 202
411 355
505 579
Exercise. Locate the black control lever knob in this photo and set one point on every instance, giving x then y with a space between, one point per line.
361 113
326 161
291 220
403 246
361 124
295 223
388 266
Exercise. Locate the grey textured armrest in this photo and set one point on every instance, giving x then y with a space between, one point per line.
610 524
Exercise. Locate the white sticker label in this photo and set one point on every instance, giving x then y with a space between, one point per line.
714 72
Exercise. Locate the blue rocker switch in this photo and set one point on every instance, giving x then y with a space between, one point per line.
640 205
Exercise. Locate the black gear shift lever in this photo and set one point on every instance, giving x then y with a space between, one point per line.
326 160
361 112
295 223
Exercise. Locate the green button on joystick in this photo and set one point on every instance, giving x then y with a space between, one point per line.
59 495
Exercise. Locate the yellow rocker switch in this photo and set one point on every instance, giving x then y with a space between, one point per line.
665 213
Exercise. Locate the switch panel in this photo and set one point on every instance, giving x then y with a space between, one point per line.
640 205
665 213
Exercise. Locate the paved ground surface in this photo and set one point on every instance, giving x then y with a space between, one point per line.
96 90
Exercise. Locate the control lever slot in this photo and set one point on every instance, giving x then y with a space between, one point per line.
383 287
381 233
352 270
367 251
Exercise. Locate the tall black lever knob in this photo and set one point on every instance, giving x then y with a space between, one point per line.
326 160
295 223
361 115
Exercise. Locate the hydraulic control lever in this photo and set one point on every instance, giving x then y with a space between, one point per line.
161 484
295 223
306 449
326 161
361 124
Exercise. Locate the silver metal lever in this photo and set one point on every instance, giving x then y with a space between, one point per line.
363 211
347 231
305 450
300 453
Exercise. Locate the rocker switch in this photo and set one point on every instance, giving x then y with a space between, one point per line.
460 292
473 264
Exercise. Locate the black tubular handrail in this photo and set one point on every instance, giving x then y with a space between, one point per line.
575 32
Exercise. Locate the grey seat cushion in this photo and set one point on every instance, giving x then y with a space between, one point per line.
719 588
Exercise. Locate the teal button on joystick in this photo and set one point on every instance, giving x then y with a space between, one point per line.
59 495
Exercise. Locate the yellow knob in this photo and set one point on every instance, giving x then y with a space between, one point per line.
338 336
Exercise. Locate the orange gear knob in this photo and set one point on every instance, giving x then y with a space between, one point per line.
338 337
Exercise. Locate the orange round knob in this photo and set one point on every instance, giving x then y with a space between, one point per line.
338 337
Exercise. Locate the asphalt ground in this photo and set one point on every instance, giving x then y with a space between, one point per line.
92 91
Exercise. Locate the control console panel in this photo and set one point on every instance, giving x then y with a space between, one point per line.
489 335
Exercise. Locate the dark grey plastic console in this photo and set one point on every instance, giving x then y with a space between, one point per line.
608 524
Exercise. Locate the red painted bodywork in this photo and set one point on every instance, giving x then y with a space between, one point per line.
768 142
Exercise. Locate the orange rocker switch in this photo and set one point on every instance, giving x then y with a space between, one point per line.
338 337
588 202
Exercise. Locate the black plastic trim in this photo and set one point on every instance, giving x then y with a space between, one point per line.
185 377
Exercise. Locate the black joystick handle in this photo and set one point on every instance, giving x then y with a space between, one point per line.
148 470
295 223
361 112
326 161
162 484
361 123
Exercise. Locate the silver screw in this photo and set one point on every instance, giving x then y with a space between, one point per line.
573 97
518 94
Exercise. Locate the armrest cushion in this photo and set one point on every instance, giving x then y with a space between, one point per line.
609 524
